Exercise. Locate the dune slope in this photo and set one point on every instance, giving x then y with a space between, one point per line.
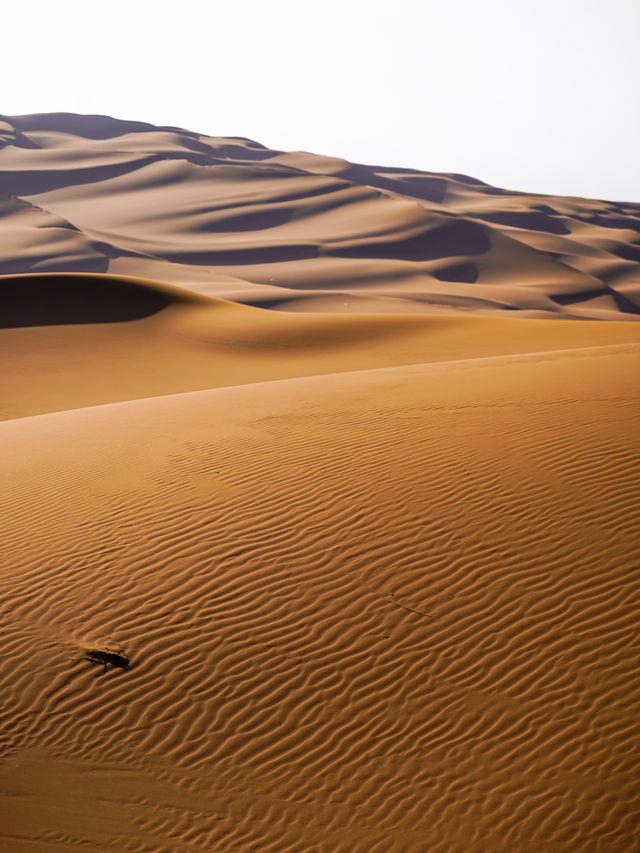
243 222
382 610
74 340
355 573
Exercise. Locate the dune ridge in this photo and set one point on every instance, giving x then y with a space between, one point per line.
81 340
165 203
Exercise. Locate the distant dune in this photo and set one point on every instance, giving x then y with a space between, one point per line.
301 231
356 573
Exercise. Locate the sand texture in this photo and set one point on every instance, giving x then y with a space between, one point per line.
359 573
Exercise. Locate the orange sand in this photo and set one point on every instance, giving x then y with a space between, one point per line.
373 567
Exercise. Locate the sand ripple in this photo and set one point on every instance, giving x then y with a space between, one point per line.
386 610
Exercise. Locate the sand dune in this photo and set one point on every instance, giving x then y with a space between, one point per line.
383 610
73 340
247 223
356 573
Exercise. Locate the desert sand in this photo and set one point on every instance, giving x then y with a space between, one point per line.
321 491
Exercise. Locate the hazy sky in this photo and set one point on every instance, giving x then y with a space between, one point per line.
540 95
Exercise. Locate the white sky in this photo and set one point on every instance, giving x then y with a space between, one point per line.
539 95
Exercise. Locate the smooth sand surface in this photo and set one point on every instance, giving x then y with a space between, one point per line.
356 573
161 339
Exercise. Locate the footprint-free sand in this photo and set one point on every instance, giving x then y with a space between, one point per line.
321 498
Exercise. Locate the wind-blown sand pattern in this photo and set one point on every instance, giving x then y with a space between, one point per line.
354 577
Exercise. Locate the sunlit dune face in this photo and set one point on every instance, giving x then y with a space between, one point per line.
321 494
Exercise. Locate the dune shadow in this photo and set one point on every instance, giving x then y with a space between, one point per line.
300 195
87 126
105 127
242 256
458 272
33 182
467 179
256 220
455 238
425 187
58 299
629 252
534 220
228 151
623 303
267 303
15 138
578 296
623 223
489 190
545 208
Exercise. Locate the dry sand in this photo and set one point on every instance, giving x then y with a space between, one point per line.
358 574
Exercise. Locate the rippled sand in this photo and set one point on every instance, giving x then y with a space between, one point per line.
337 578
